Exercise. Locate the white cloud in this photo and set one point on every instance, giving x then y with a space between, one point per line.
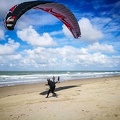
105 48
9 48
68 57
88 31
32 37
63 58
1 34
5 5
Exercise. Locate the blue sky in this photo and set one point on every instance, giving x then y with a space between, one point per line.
41 42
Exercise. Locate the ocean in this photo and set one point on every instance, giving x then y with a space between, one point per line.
10 78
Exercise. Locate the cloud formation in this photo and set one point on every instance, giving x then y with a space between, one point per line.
1 34
9 48
67 57
104 48
89 32
31 36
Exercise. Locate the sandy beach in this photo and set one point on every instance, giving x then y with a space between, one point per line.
89 99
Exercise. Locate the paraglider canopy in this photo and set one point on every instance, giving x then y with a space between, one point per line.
56 9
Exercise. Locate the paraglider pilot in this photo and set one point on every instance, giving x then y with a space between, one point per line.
52 87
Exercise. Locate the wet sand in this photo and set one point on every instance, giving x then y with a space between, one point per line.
89 99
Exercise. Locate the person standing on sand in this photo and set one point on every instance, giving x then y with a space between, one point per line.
53 79
59 79
52 88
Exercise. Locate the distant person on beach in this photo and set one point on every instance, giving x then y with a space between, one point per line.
59 79
53 79
52 87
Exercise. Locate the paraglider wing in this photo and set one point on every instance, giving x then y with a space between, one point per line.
56 9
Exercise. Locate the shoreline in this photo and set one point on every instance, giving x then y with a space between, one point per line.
94 98
28 77
42 82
